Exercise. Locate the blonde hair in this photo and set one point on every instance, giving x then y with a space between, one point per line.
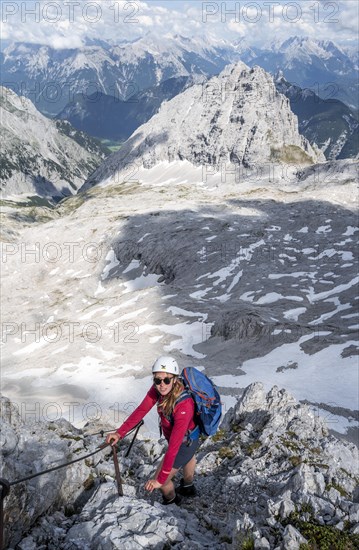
168 403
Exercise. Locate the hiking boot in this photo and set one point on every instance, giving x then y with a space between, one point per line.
186 490
175 500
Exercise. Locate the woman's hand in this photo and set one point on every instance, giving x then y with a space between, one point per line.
152 484
113 436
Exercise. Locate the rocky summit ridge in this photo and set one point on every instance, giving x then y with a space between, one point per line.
271 478
237 117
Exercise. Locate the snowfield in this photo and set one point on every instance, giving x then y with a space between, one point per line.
244 283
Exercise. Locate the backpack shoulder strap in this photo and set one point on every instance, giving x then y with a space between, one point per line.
184 395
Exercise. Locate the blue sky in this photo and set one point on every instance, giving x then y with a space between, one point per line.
65 23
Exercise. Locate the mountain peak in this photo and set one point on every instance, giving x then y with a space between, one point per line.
304 45
236 117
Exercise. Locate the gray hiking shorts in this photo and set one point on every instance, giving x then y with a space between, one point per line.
185 453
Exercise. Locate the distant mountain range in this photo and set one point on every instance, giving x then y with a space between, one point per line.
41 156
322 66
52 78
112 91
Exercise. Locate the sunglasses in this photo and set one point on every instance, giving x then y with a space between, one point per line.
166 380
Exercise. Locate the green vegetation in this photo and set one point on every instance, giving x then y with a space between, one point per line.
112 145
338 487
295 460
315 450
34 215
307 508
320 537
348 525
73 202
31 210
348 473
290 154
324 537
118 189
73 437
252 447
219 436
31 201
70 204
291 445
226 452
247 544
236 428
89 482
37 201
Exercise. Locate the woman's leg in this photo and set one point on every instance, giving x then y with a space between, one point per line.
168 488
188 471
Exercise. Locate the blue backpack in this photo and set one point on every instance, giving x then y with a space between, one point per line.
208 407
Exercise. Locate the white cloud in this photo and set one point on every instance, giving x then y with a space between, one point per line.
60 42
146 21
67 24
336 21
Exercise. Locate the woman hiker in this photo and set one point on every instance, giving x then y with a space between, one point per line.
176 414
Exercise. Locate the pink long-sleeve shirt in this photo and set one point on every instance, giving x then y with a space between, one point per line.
183 414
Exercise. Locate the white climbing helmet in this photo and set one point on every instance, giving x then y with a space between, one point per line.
165 363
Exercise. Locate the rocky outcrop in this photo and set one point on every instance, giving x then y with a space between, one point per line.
237 118
30 447
41 156
271 478
280 470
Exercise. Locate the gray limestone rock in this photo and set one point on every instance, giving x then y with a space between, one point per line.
286 508
30 448
248 487
306 480
292 539
261 544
